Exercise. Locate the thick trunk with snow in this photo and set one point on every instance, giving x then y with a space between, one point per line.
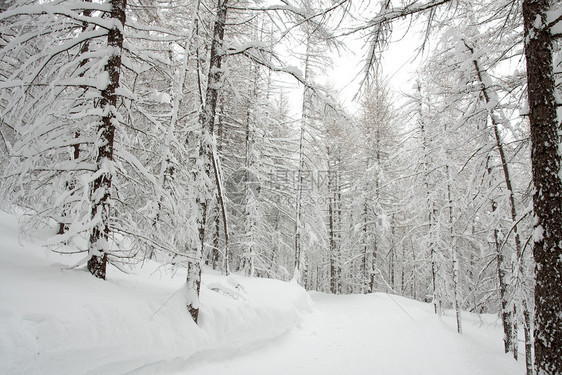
101 191
206 155
547 196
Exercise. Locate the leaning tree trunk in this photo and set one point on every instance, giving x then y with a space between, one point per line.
101 191
220 204
222 207
511 334
545 160
507 316
206 155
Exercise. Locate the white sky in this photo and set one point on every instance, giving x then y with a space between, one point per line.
399 65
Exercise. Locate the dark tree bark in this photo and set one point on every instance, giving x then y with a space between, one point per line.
545 160
509 319
206 155
436 299
507 316
365 269
454 257
101 190
331 227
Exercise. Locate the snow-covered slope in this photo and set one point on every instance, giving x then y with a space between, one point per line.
59 321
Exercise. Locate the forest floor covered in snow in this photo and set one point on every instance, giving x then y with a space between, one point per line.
57 320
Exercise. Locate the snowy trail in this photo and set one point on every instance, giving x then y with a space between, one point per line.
55 320
357 335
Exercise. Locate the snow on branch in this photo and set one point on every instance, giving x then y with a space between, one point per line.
302 15
380 29
286 7
242 49
155 29
553 21
397 13
60 49
294 72
61 10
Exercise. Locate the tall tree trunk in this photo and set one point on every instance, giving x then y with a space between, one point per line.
206 157
338 223
373 261
221 205
101 190
299 256
436 299
545 160
509 319
528 339
454 256
392 258
504 303
299 263
365 269
402 270
249 201
414 272
332 225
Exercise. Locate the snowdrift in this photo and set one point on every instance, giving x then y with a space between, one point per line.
55 320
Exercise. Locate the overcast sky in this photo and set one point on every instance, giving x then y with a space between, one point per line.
399 64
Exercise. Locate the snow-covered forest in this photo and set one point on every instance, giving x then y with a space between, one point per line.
164 159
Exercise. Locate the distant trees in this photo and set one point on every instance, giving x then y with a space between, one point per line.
378 137
539 27
486 196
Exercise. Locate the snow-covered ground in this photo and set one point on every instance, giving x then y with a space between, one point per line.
363 335
55 320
